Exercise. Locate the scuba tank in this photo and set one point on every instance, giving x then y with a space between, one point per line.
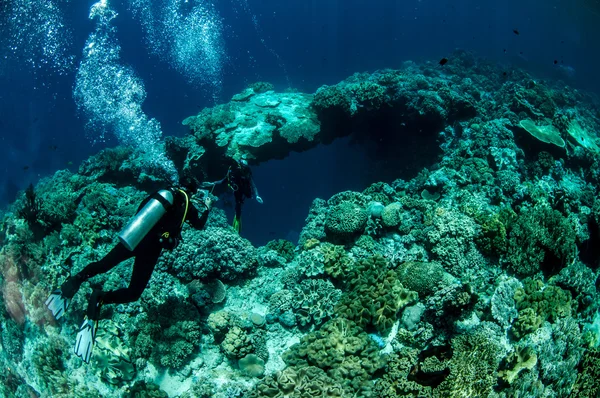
146 219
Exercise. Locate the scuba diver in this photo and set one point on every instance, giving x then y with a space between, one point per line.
239 180
156 226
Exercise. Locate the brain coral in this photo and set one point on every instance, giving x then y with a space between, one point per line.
346 220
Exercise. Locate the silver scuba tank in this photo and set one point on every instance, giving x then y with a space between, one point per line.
145 219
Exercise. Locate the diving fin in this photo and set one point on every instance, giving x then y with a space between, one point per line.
57 304
85 339
237 224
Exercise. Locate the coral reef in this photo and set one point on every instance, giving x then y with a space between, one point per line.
374 295
471 272
343 350
220 252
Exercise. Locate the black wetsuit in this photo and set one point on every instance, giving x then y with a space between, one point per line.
242 183
146 255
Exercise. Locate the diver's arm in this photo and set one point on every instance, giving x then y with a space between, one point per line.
255 194
197 219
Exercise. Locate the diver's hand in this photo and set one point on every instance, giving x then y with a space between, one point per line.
259 199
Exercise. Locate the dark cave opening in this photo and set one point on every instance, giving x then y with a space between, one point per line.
380 146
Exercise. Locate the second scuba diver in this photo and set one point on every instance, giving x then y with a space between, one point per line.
156 226
239 180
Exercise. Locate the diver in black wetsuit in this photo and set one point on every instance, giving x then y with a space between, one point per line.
156 226
239 180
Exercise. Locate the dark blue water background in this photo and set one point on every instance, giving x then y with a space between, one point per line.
299 44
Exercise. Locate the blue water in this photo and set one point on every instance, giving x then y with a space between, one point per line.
292 44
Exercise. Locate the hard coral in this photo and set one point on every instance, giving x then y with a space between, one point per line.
314 227
170 335
212 252
391 215
345 221
237 343
421 277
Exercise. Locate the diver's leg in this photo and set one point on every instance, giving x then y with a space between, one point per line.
118 254
237 220
145 261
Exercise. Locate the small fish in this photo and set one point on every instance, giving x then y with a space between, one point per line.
25 168
70 163
443 61
555 62
516 32
505 51
53 147
504 74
